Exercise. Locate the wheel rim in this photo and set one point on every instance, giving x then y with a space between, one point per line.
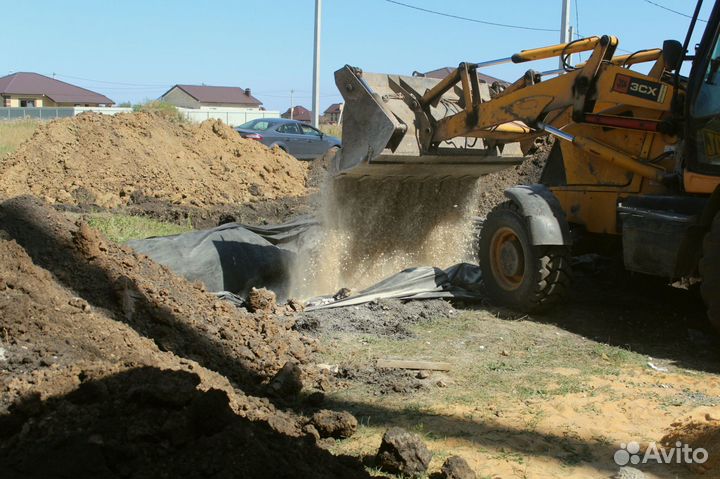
507 259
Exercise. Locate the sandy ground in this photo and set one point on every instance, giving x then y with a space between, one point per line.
550 396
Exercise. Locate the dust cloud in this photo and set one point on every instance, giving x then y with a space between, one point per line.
373 228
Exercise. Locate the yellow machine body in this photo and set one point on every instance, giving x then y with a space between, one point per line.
602 165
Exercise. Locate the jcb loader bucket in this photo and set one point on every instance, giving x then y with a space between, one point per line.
386 133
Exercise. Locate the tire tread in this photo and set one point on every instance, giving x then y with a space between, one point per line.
709 268
551 272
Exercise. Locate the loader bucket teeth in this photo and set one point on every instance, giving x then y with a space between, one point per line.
385 131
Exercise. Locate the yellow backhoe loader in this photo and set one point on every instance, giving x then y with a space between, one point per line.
636 161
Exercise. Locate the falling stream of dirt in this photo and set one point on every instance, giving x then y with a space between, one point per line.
372 229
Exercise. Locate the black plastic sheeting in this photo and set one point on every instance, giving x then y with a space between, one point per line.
232 258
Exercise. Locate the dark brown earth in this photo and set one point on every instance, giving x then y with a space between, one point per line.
403 452
337 424
384 317
112 366
492 186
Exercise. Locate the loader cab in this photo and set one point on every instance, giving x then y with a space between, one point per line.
702 105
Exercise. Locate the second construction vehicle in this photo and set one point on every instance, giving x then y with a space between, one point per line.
636 161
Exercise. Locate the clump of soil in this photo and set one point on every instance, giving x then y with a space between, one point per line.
404 453
112 161
337 424
112 366
385 317
697 433
262 300
456 467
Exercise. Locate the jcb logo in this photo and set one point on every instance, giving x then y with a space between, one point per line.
639 87
644 89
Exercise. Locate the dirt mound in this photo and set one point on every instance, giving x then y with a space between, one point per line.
112 366
493 186
179 316
128 158
697 433
148 422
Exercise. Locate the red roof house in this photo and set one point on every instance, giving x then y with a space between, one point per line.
299 113
198 96
27 89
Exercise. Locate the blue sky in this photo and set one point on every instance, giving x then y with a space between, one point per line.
133 50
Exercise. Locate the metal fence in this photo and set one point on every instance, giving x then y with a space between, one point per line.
232 117
51 113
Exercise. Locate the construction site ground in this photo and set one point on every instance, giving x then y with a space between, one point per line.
98 344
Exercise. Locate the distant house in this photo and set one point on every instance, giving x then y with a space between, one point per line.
332 113
445 71
27 90
299 113
210 97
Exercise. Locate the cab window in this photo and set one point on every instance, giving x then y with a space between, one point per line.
708 99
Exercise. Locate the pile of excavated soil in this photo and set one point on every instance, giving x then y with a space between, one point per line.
491 188
111 161
111 366
697 433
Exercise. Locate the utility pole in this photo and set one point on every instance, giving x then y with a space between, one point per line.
316 66
565 25
292 105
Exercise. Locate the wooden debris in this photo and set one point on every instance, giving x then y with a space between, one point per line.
419 365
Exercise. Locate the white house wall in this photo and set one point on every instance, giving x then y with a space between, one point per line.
231 116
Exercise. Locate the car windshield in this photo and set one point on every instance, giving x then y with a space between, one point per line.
260 124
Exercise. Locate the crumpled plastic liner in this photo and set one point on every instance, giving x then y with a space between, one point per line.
232 258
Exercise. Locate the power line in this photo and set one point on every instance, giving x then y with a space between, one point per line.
110 82
156 86
328 95
474 20
673 11
457 17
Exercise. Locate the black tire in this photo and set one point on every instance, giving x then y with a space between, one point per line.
709 268
516 274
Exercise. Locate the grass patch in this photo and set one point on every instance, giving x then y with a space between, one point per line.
15 132
122 228
163 109
493 360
